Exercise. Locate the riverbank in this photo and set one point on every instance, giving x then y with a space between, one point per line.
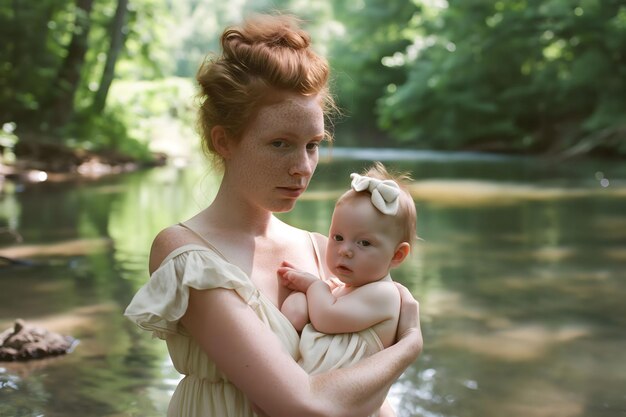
40 161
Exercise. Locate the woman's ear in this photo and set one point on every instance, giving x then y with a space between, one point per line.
402 251
220 142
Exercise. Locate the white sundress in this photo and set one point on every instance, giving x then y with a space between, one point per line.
162 301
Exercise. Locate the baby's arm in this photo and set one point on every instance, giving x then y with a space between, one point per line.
295 279
362 308
295 306
358 310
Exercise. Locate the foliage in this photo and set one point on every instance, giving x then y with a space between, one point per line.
29 58
107 132
195 28
36 38
524 74
368 31
159 113
515 76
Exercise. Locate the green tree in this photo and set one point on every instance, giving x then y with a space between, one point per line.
33 43
60 60
66 83
117 35
368 31
541 76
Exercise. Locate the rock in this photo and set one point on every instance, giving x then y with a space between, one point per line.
23 342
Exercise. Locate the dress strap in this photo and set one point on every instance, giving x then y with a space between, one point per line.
206 242
318 258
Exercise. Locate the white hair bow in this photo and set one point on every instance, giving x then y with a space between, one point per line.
385 193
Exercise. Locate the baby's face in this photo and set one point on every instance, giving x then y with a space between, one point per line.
361 243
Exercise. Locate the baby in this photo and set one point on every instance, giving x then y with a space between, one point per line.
371 232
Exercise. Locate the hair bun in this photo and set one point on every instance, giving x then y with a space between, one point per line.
289 38
271 31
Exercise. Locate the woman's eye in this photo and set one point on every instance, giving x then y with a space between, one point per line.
364 243
312 146
337 238
279 144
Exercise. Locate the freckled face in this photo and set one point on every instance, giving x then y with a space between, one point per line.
361 242
273 162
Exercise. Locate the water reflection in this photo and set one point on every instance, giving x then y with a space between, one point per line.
520 277
466 192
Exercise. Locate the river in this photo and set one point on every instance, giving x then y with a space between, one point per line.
521 277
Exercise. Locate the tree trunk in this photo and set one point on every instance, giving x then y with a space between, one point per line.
26 52
68 78
117 42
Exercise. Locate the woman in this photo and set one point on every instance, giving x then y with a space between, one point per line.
213 292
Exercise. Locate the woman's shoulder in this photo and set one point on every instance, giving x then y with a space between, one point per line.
167 241
321 241
297 233
319 238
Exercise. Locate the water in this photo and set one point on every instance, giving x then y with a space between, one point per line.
521 278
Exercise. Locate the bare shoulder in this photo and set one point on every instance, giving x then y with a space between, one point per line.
322 241
385 298
289 230
383 294
168 240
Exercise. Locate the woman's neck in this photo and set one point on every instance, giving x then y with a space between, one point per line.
229 212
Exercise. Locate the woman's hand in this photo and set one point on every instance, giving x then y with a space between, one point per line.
409 324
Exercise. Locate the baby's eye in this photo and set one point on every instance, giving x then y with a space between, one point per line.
364 243
338 238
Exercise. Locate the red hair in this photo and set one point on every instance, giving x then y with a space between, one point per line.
265 55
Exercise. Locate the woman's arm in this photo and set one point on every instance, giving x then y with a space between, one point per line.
386 410
247 352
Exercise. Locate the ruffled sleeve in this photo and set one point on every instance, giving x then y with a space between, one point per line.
163 300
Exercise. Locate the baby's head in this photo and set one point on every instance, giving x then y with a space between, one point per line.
372 228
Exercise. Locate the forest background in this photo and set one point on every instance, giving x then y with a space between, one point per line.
114 78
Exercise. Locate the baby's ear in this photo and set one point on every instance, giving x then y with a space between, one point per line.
402 251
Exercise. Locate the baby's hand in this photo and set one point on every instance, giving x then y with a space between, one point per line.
294 279
334 283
